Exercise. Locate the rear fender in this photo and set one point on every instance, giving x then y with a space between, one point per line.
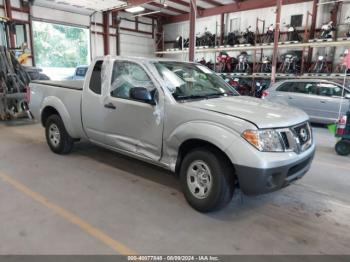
52 101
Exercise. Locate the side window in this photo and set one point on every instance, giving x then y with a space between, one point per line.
312 88
127 75
338 91
286 87
330 90
95 81
301 88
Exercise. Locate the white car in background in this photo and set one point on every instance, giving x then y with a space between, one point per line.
320 99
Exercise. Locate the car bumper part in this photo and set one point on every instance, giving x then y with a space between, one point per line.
255 181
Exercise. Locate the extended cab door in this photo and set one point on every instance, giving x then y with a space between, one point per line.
130 125
92 104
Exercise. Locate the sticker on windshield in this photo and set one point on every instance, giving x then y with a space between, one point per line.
205 69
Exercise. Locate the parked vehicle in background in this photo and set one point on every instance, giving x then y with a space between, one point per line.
320 99
183 117
292 34
35 73
243 65
327 30
265 66
289 64
269 35
248 36
232 39
225 63
79 73
320 66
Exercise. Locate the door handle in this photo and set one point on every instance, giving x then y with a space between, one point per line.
323 101
289 97
110 106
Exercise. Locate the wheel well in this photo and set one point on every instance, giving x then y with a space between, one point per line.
47 112
191 144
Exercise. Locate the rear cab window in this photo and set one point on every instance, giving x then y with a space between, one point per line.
95 80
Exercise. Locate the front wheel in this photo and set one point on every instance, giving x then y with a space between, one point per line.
343 148
207 180
57 136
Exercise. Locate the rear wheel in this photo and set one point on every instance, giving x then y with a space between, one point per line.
207 180
343 147
57 136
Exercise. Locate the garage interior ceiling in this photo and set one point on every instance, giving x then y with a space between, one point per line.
74 5
172 8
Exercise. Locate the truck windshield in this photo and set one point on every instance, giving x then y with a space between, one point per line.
193 81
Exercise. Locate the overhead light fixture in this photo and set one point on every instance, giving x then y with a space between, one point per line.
135 9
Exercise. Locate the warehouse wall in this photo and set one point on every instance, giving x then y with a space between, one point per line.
131 43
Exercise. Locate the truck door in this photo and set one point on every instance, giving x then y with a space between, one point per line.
92 105
133 126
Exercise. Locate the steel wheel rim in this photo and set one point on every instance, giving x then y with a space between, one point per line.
199 179
54 135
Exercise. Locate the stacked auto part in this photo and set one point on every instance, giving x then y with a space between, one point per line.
13 86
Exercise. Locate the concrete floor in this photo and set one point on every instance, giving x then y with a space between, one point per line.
97 202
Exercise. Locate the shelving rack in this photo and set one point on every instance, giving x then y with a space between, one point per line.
282 45
306 47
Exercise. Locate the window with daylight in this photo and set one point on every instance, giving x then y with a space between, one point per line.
59 49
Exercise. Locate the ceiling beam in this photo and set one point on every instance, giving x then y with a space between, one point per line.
212 2
232 8
169 8
183 3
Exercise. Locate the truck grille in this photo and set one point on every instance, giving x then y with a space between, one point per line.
297 138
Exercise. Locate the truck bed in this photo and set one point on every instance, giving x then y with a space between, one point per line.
65 96
70 84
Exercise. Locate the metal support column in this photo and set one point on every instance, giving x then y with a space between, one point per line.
8 14
275 43
222 29
193 14
312 29
306 40
334 17
106 33
159 35
31 40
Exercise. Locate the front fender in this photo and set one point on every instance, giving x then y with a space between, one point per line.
219 135
56 103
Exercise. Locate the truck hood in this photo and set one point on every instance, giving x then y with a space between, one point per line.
260 112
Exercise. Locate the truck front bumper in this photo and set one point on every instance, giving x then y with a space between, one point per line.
255 181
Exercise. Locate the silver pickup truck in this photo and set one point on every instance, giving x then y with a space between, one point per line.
183 117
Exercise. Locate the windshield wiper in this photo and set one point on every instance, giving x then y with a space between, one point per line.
206 96
191 97
219 94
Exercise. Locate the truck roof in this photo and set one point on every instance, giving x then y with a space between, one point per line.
139 59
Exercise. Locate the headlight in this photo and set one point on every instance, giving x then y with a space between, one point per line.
264 140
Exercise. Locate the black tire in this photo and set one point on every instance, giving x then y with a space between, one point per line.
63 143
222 177
343 148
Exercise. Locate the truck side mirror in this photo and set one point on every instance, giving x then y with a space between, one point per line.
347 96
141 94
